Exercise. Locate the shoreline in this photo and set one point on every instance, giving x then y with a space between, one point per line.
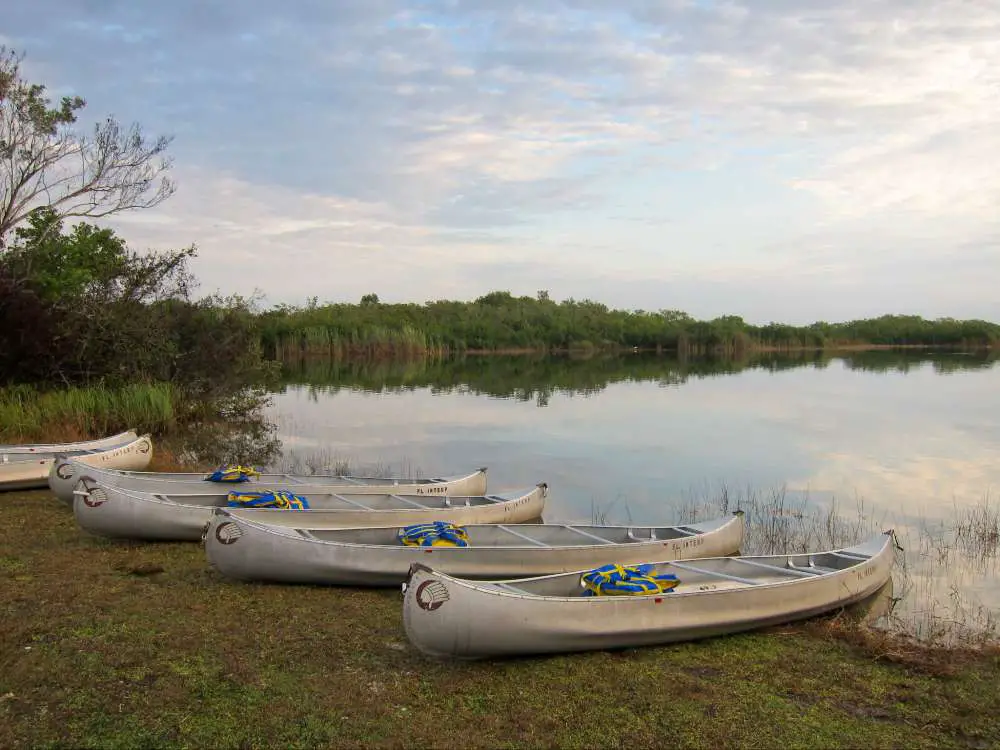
619 350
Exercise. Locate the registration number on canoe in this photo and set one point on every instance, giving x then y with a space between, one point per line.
686 544
866 572
431 490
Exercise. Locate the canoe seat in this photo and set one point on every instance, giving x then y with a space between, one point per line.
688 530
814 567
630 534
851 556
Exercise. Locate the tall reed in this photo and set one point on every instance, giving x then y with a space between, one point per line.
978 529
940 565
27 414
365 341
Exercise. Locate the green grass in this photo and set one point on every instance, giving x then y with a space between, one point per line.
98 649
27 414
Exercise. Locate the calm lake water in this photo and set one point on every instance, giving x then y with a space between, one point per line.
882 439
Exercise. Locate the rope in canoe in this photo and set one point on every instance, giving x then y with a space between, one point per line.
634 580
233 473
270 499
435 534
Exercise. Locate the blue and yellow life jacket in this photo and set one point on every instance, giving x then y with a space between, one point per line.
270 499
233 474
434 534
633 580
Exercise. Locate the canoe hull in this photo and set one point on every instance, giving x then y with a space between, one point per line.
251 551
64 476
110 512
34 473
25 475
84 445
449 617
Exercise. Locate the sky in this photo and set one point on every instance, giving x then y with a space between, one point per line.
785 160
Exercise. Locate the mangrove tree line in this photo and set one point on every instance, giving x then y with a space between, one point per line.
502 321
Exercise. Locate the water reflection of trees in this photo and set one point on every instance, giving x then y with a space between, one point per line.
532 378
249 441
943 363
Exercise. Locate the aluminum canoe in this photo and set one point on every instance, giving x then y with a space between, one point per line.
83 445
63 479
446 616
114 512
20 471
242 548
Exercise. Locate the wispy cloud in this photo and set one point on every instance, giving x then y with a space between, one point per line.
746 144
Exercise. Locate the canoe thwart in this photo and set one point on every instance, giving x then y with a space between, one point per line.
407 501
788 568
349 501
599 539
713 573
523 536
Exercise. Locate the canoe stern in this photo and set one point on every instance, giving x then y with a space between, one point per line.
115 513
66 470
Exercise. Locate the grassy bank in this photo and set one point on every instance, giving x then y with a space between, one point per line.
142 645
28 414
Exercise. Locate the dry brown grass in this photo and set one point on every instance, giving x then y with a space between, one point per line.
902 649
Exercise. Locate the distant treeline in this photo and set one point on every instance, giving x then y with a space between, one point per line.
79 307
501 322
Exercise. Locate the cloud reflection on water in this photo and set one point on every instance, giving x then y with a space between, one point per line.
910 449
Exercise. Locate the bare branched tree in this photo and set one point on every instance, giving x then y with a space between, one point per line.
44 162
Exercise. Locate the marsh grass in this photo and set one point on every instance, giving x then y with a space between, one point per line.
213 445
945 564
62 415
940 564
27 414
372 340
323 460
601 513
780 522
978 528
